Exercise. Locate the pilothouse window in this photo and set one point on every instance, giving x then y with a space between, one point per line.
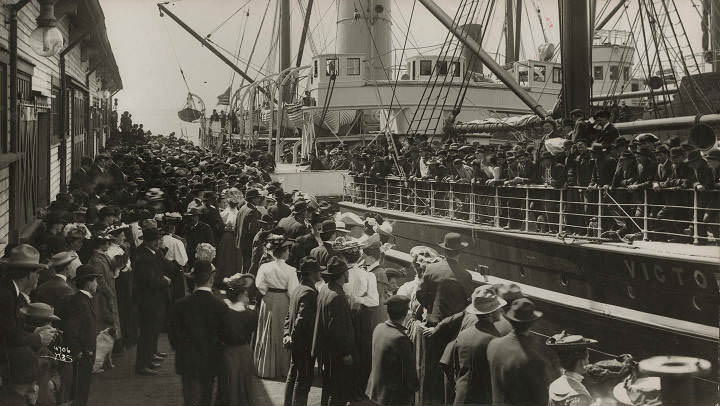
614 72
331 67
353 66
425 68
442 67
455 69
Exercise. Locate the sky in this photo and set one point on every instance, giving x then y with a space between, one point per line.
151 50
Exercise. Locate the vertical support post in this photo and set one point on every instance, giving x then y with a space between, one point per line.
599 215
451 202
365 195
645 215
387 193
696 238
432 198
471 199
561 214
415 188
527 209
497 207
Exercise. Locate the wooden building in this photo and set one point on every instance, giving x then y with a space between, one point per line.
54 109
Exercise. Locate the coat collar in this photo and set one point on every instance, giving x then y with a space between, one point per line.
399 327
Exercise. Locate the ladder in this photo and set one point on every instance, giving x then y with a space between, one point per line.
675 53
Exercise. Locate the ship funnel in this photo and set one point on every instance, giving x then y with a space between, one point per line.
364 27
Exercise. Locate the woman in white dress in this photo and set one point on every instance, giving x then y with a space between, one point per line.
275 281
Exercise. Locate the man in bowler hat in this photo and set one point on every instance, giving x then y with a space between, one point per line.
193 330
80 332
393 379
333 338
151 292
518 369
247 225
298 333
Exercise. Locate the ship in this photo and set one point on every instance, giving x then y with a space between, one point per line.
643 296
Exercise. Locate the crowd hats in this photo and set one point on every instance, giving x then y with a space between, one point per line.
453 242
309 265
328 227
239 282
61 259
86 271
398 304
24 256
335 266
116 228
563 340
174 217
485 300
602 114
300 206
40 312
523 311
252 193
151 234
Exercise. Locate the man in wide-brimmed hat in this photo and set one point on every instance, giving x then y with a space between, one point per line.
517 364
604 131
151 288
80 331
472 375
298 332
295 224
333 338
443 291
57 287
193 331
19 271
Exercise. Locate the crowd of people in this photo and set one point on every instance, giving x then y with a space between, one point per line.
248 279
582 157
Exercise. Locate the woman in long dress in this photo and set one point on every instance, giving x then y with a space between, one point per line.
228 256
275 281
238 325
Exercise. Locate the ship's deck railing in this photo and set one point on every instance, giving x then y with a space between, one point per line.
668 214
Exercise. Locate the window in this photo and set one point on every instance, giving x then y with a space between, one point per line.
634 87
353 66
614 72
626 73
557 75
331 67
442 67
598 73
539 72
24 87
455 69
315 68
425 68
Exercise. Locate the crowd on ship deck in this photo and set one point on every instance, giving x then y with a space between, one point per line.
587 158
248 279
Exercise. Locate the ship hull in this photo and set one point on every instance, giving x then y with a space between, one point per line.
635 302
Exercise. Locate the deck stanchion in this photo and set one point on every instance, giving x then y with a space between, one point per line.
415 188
497 207
645 215
365 191
432 198
561 213
599 219
451 202
527 209
471 199
387 193
696 236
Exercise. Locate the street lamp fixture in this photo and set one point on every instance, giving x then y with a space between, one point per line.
47 39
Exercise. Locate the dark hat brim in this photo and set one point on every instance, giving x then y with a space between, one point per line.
510 315
463 245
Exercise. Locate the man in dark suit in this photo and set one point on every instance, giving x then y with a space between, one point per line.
393 379
605 133
211 215
323 253
280 209
196 232
305 243
472 373
298 333
81 178
193 331
151 293
333 337
443 291
20 274
80 333
295 224
518 371
57 288
247 225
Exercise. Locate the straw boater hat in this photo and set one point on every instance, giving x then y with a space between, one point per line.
484 300
62 258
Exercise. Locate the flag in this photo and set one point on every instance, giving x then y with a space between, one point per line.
224 98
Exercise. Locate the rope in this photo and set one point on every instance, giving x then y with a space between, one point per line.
237 57
177 59
623 210
252 51
227 19
402 56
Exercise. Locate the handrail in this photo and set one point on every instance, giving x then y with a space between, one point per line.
682 215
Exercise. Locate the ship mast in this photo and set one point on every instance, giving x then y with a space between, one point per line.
715 34
575 55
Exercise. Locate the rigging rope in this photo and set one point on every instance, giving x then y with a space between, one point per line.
177 59
227 19
252 51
